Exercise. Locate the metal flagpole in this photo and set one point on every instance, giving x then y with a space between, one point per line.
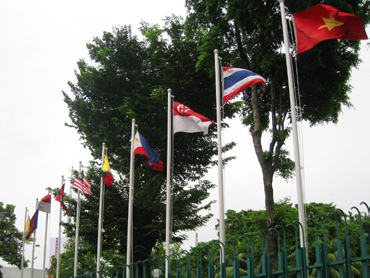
101 210
169 179
45 240
23 241
220 173
301 212
130 201
59 233
77 225
34 243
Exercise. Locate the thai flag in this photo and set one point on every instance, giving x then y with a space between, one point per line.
237 80
59 198
141 146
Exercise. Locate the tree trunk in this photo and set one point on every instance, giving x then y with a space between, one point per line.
266 163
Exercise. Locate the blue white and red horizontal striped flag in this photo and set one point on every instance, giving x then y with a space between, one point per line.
237 80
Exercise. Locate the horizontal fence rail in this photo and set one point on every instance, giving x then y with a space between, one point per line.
252 251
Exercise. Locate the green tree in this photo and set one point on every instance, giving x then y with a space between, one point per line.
248 34
10 237
86 260
129 79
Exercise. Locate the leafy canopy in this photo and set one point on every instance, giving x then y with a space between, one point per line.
10 237
128 78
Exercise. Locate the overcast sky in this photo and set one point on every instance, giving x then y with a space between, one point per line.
41 43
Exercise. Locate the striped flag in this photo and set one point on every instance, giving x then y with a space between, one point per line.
237 80
82 184
106 173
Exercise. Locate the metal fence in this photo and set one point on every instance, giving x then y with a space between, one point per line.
219 260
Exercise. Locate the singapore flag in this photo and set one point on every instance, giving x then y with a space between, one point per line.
186 120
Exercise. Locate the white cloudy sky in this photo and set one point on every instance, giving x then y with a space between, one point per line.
41 43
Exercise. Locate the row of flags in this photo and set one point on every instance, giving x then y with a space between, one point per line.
185 120
44 205
316 24
31 224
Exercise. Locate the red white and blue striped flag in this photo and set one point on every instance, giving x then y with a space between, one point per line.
237 80
82 184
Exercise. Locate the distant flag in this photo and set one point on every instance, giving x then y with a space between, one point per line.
323 22
33 225
141 146
236 80
45 204
27 229
60 198
82 183
186 120
106 173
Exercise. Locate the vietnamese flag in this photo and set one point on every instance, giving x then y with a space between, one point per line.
323 22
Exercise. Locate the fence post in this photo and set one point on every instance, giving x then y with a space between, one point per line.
250 259
363 258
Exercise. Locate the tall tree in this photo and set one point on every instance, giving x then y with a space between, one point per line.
128 79
248 34
10 237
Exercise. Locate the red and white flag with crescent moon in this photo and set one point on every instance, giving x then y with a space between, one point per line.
186 120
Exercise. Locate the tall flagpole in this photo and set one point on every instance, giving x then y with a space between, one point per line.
59 233
220 166
130 201
169 176
45 240
301 212
33 245
23 241
77 225
101 210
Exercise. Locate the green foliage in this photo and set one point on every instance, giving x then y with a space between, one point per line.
129 79
10 237
86 260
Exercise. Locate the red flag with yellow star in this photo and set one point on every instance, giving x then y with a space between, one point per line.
323 22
